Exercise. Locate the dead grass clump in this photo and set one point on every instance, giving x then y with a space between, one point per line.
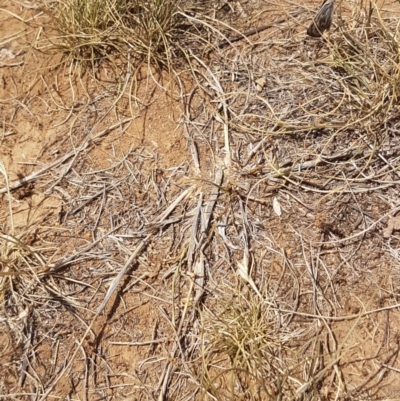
86 28
242 349
93 30
151 29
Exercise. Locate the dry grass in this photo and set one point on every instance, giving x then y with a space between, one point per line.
90 31
127 34
243 349
263 266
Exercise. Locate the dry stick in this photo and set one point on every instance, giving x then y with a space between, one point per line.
212 28
37 174
219 175
388 214
283 174
243 267
138 344
101 192
85 142
313 270
52 267
193 243
199 273
7 189
336 356
118 278
75 153
193 147
340 318
112 288
199 270
85 381
18 243
11 65
378 153
258 146
25 21
218 88
258 30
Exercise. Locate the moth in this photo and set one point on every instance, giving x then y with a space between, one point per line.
323 20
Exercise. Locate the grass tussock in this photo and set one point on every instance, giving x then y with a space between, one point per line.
93 30
85 27
243 347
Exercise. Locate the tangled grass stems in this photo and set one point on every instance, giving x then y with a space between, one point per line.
241 349
84 29
89 31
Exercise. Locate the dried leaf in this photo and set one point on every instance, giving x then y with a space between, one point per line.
260 83
393 224
277 207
